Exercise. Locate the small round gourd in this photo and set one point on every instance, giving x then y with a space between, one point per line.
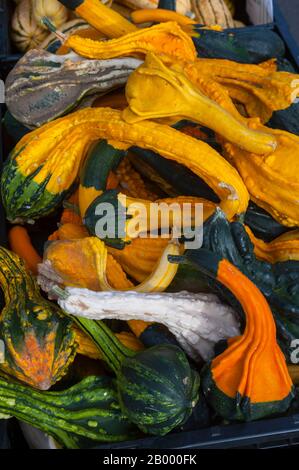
52 9
25 31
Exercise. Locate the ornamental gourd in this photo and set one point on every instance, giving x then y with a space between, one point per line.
39 342
79 417
198 321
180 99
55 85
272 180
165 38
101 17
278 282
26 33
157 388
45 163
260 88
52 9
133 218
212 12
250 379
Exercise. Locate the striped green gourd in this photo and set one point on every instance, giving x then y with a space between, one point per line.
82 416
38 338
157 387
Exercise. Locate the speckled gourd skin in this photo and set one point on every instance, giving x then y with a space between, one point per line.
39 342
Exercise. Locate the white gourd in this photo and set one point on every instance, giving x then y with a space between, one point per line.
198 321
25 32
52 9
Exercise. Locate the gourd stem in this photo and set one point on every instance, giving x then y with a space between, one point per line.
112 349
48 23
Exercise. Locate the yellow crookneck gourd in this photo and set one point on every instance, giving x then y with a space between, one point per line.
157 90
260 88
283 248
48 160
166 38
272 181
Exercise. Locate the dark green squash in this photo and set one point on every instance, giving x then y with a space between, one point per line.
101 159
82 416
157 387
262 223
278 282
114 219
250 379
179 179
250 45
38 338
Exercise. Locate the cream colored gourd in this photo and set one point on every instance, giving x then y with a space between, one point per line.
52 9
26 33
182 6
198 321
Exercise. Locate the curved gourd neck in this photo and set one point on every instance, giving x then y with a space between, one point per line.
113 351
14 277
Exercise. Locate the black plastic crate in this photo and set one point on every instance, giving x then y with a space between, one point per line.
264 434
4 25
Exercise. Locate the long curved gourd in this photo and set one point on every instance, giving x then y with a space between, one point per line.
198 321
79 417
76 263
46 162
283 248
156 90
279 282
39 342
159 15
132 218
250 380
166 38
87 348
157 388
104 19
260 88
272 181
55 85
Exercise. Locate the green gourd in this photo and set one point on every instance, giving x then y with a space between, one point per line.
157 387
38 338
79 417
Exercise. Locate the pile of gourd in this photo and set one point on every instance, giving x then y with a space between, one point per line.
141 335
